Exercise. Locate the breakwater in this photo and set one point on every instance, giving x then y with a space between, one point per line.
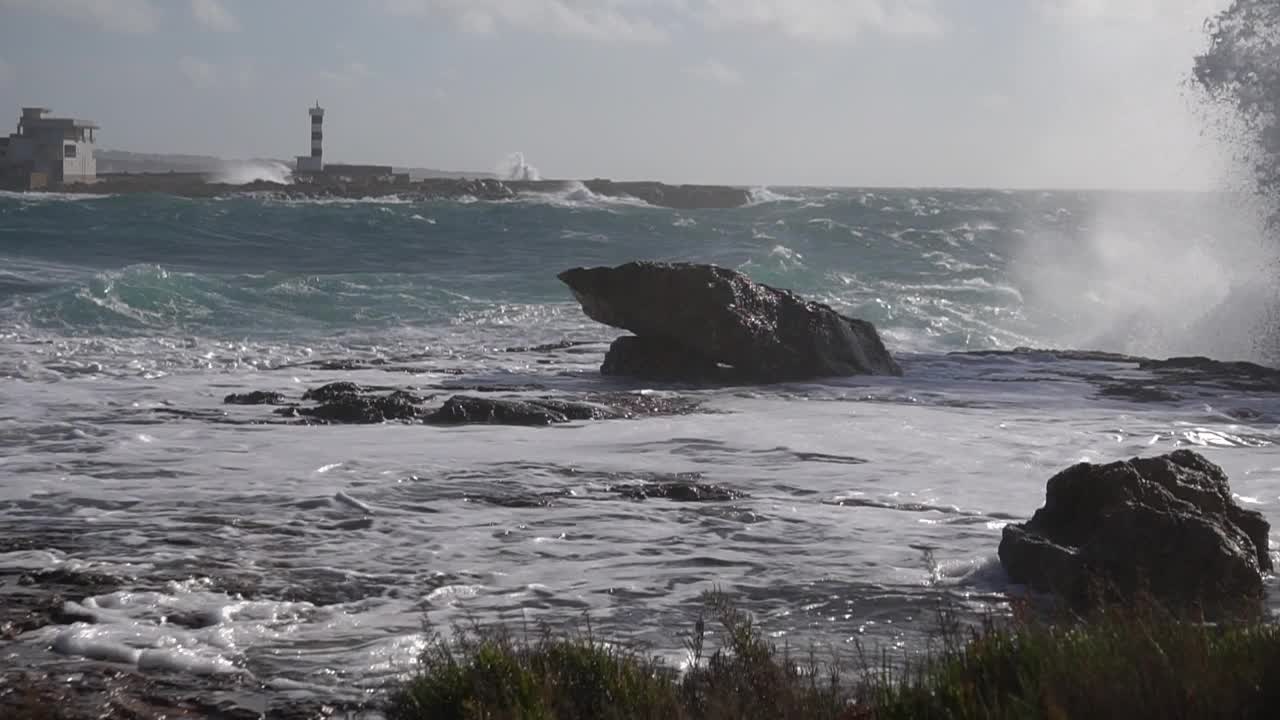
197 185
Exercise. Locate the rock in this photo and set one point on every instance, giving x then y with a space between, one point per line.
1139 392
658 359
1166 526
765 334
257 397
548 347
647 404
1244 376
364 409
333 391
462 409
680 492
579 410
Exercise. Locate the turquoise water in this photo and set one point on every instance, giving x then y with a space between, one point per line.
125 320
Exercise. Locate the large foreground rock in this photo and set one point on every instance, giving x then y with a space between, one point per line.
1165 526
719 316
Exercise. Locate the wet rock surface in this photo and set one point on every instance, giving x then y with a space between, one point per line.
722 316
660 359
1167 526
680 492
257 397
365 409
349 403
464 409
97 692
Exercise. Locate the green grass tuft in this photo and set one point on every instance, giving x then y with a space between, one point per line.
1116 663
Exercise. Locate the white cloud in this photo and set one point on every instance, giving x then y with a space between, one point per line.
832 21
199 73
648 21
213 15
133 16
348 76
606 20
716 72
8 76
1129 11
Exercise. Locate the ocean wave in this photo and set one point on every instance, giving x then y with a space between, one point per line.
577 195
48 197
764 196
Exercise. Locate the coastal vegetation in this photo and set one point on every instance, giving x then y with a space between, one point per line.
1132 661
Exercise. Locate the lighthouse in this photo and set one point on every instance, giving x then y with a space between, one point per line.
314 163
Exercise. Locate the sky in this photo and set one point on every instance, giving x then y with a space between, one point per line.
975 93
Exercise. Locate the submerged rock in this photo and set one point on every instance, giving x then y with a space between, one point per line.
1166 526
365 409
463 409
257 397
680 492
334 391
1244 376
722 316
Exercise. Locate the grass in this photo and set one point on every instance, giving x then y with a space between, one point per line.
1117 663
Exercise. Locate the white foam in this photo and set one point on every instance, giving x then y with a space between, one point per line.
763 195
243 172
576 194
35 196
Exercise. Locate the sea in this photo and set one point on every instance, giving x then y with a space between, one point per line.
319 560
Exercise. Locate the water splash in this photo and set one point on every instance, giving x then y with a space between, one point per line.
516 167
245 172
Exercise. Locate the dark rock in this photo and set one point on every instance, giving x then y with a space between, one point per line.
463 409
364 409
659 359
646 404
1139 392
721 315
257 397
679 492
1167 526
334 391
548 347
578 410
1245 376
517 501
1076 355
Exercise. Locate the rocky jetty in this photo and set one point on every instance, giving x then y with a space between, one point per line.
196 185
1167 527
700 322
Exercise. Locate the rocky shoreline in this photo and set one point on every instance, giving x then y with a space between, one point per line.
197 185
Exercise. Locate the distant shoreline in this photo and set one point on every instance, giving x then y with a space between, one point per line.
198 185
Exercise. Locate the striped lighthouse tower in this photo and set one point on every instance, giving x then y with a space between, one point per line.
314 163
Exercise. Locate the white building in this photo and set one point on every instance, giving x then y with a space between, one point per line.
314 163
48 151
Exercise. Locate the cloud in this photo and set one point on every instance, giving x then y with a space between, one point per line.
199 73
650 21
214 16
1128 11
605 20
8 75
131 16
348 76
716 72
831 21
